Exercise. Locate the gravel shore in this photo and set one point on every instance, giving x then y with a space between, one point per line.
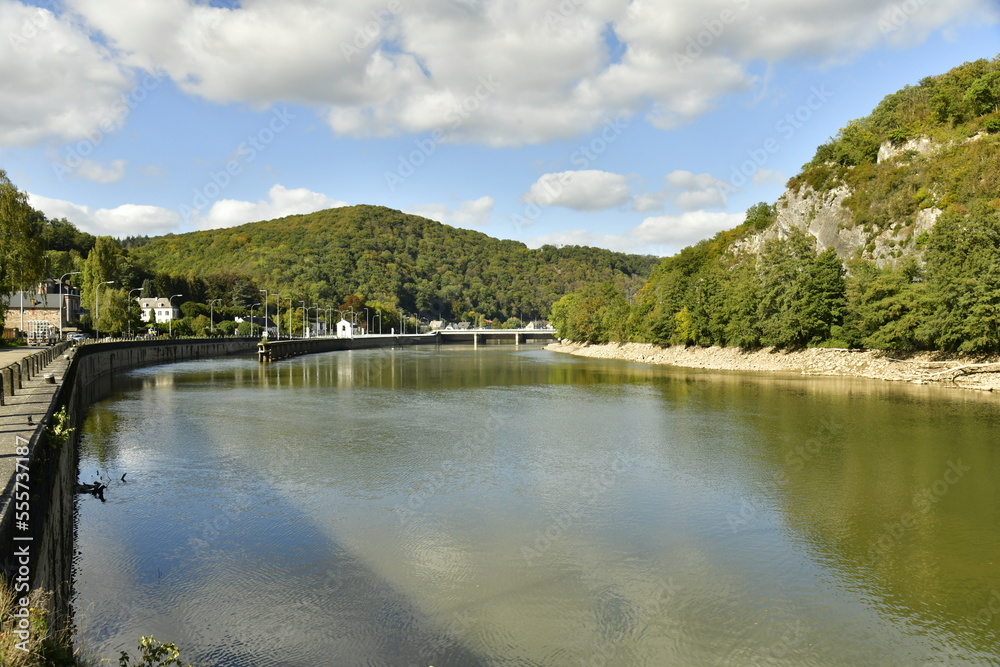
967 372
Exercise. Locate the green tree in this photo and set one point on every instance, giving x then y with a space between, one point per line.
21 246
963 269
106 262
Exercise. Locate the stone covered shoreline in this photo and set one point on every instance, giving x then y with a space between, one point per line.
968 372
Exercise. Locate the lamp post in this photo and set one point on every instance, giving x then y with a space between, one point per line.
290 311
366 320
378 314
71 273
277 316
97 308
316 306
129 308
251 317
211 313
170 322
303 307
265 309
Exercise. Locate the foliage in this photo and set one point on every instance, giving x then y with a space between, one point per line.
21 243
153 653
58 431
364 254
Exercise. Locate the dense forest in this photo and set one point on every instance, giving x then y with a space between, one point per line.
395 265
942 291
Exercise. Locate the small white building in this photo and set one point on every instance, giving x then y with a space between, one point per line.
162 308
345 329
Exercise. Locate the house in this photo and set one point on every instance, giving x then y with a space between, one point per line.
42 313
538 324
162 308
436 324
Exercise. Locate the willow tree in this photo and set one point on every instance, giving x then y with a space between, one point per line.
21 252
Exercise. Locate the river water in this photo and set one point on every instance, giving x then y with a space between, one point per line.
515 506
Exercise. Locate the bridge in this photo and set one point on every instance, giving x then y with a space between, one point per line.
478 336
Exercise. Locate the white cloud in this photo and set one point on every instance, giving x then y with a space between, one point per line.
281 202
586 190
691 192
124 220
659 235
139 220
55 80
529 72
762 176
472 213
677 231
98 173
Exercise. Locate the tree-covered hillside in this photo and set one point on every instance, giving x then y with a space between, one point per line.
388 257
915 185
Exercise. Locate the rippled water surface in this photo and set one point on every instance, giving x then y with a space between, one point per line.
514 506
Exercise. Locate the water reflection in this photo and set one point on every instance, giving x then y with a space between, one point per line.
500 506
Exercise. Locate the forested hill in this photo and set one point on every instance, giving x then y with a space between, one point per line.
391 258
889 238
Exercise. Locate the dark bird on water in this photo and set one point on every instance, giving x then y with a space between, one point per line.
123 476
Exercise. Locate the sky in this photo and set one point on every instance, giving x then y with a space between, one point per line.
633 125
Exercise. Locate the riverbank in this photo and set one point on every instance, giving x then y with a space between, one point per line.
964 371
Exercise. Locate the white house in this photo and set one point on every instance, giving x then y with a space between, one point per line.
162 308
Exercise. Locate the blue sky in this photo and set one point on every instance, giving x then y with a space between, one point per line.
629 124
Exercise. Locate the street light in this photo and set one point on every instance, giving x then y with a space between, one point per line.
290 311
211 313
303 307
129 308
265 309
378 314
97 308
277 316
251 317
366 320
316 306
71 273
170 322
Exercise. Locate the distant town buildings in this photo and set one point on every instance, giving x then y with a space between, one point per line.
41 313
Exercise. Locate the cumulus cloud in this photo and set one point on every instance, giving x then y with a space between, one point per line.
124 220
98 173
529 72
56 82
659 235
281 202
585 190
472 213
138 220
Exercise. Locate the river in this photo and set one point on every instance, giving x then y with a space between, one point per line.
514 506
